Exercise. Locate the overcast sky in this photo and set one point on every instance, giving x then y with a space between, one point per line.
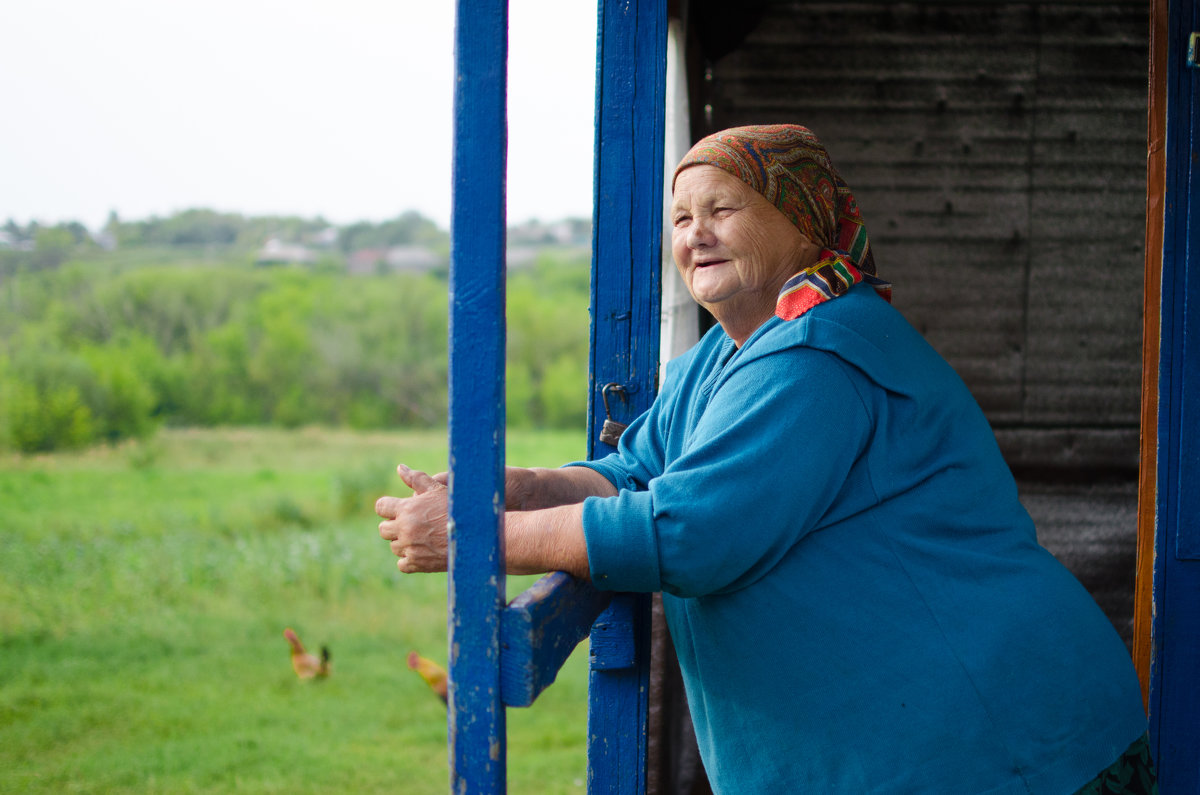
339 108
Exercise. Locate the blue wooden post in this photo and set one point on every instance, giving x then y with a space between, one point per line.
1175 664
477 336
507 655
627 236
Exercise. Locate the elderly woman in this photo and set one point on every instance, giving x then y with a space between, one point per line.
858 599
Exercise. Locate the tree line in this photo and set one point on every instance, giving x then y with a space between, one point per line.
107 346
38 246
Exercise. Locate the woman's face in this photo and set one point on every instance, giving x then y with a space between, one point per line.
733 249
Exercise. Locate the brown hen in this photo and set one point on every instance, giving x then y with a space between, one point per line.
305 664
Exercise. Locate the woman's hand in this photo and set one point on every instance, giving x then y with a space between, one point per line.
416 525
543 529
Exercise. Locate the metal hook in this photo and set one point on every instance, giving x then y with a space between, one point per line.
604 395
611 431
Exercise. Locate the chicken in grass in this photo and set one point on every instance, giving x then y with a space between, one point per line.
434 675
305 664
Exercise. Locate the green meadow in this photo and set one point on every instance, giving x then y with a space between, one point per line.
144 590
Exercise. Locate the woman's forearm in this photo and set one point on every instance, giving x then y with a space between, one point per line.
546 540
539 488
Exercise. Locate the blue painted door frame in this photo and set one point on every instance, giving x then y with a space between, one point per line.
626 297
1174 697
476 421
504 656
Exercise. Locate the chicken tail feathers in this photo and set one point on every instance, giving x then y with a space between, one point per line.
434 675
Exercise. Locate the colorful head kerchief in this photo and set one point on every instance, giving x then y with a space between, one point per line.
791 169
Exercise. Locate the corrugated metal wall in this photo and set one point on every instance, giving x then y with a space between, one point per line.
998 153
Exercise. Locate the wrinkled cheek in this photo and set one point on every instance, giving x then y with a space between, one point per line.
679 255
682 269
768 261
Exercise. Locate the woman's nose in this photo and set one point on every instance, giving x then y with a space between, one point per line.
700 233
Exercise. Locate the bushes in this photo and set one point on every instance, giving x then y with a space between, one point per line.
41 420
548 345
120 398
94 353
52 398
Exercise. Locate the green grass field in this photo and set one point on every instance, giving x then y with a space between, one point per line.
144 590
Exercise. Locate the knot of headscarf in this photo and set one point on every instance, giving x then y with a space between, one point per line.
791 169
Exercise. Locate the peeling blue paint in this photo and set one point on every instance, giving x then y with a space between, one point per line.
476 423
626 292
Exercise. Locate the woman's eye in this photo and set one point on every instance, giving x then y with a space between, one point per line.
681 220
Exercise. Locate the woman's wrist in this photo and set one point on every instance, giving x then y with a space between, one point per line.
546 540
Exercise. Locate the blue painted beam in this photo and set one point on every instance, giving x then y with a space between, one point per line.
626 292
540 629
627 226
613 645
618 694
476 423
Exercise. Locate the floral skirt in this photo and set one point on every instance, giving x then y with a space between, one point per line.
1132 774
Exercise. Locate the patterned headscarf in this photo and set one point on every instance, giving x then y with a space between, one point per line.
791 169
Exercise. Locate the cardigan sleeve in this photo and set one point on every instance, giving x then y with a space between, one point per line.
639 457
767 461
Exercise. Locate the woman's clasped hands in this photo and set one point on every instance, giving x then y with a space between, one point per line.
416 525
543 528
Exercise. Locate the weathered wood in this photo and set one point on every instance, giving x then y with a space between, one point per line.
613 645
626 275
996 150
476 422
1156 177
619 697
539 630
1070 452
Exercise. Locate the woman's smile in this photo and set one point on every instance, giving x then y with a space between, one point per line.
734 250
